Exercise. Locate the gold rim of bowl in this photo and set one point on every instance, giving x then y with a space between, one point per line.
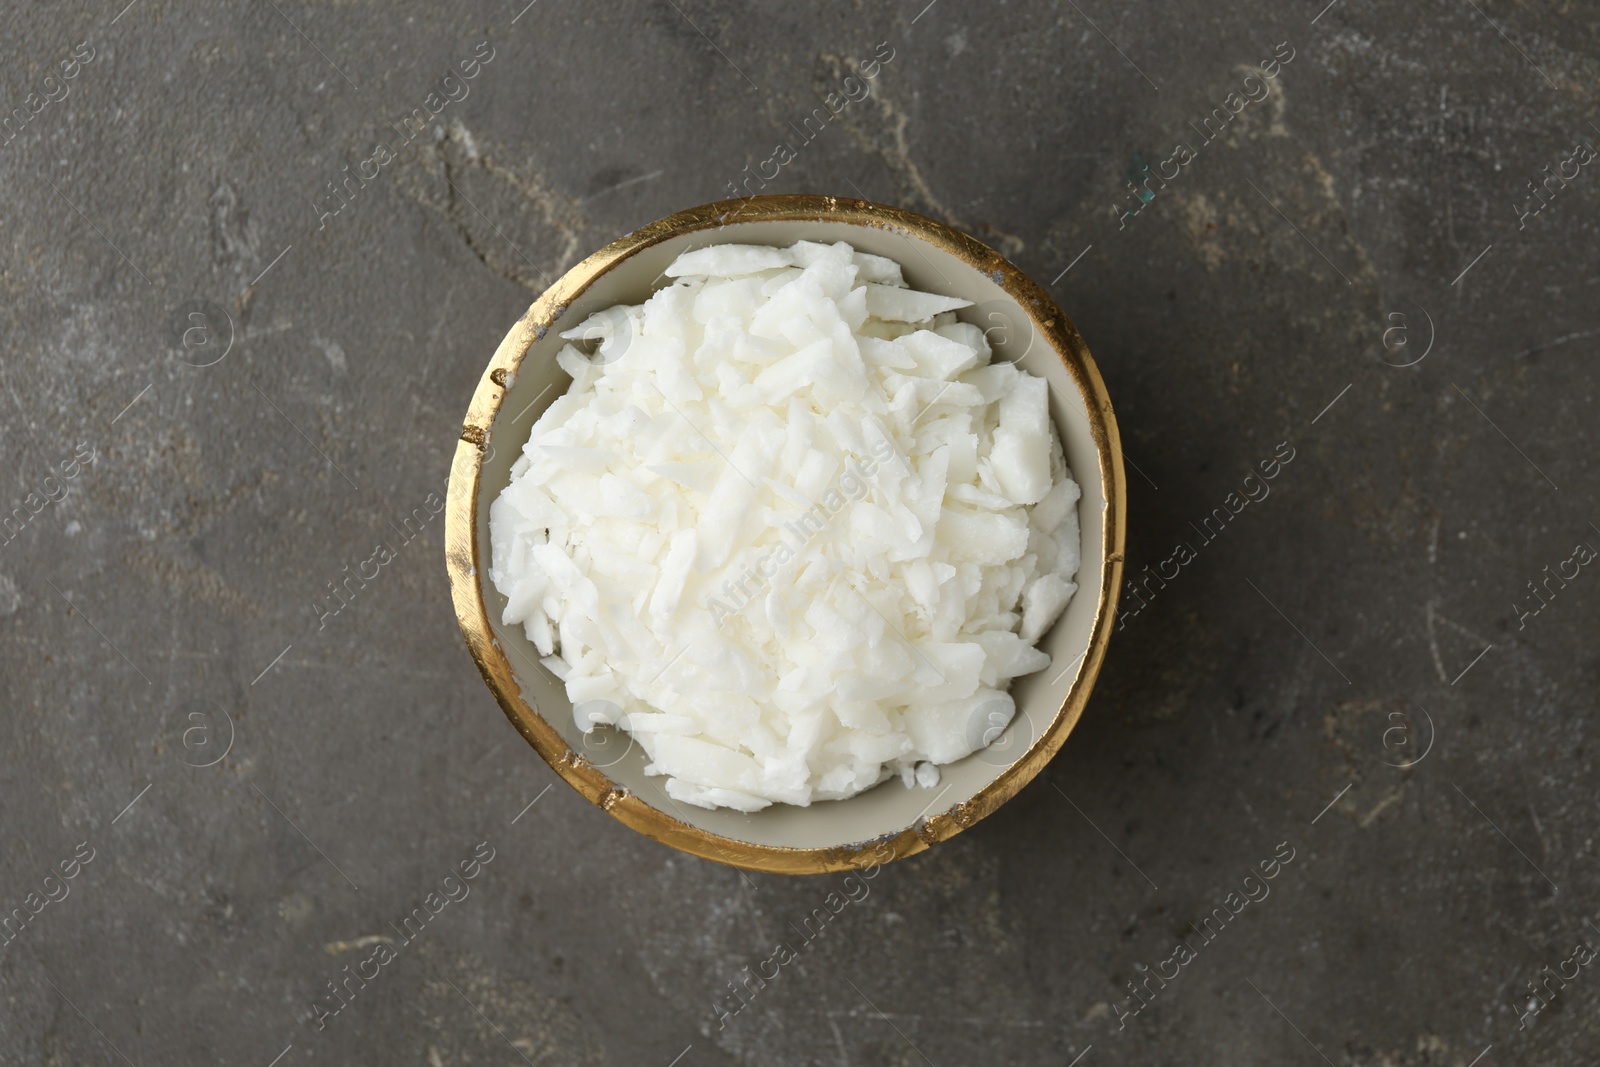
467 569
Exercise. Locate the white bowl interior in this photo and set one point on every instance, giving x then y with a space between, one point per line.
889 808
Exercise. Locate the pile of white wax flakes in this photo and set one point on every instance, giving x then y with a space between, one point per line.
789 527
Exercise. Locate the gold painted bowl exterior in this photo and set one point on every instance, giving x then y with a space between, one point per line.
467 552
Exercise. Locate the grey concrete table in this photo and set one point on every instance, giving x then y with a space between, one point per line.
1376 677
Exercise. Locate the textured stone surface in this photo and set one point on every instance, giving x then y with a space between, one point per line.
165 604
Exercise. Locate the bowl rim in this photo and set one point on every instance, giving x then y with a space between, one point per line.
466 570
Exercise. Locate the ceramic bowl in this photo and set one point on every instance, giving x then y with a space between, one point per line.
1023 324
